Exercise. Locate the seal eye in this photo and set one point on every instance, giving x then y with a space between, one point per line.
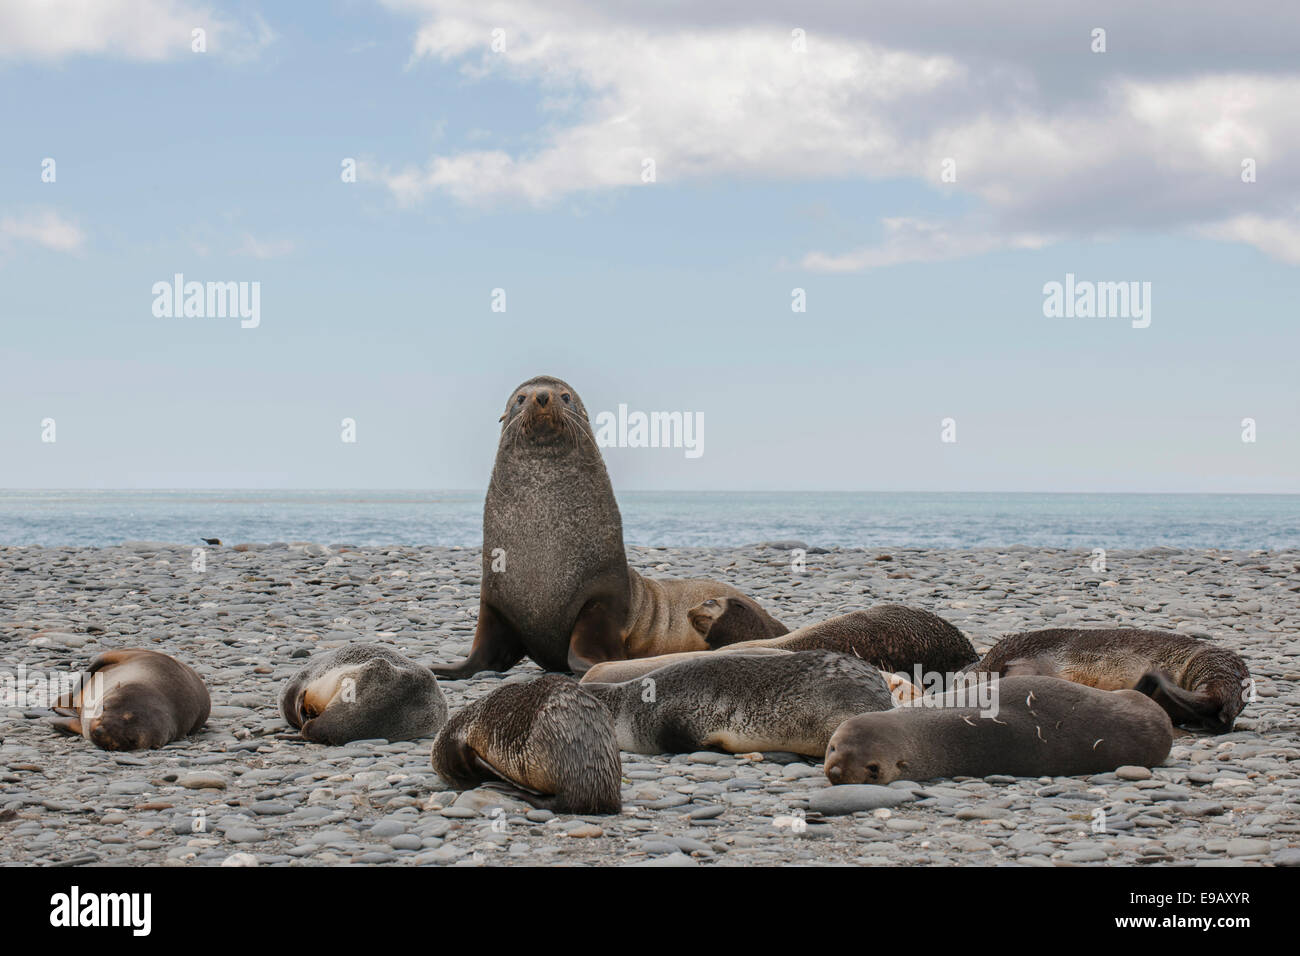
565 396
519 400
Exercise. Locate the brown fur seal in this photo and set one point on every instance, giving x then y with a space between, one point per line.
134 700
1043 727
363 692
556 583
1196 683
742 702
893 637
549 739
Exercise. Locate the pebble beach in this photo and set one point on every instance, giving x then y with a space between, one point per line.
245 792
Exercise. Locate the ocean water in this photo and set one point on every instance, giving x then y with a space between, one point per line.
849 519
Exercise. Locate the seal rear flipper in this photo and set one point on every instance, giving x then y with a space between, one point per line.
496 647
495 780
541 801
597 636
1183 706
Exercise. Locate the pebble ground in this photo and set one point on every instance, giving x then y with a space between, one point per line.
245 792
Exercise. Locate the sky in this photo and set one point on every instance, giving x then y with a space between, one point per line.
653 188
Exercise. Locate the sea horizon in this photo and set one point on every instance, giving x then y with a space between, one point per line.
869 519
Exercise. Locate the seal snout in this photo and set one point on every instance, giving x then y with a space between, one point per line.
852 758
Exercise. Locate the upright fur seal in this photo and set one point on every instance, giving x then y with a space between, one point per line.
134 699
1197 683
556 583
894 637
743 702
555 576
549 739
1043 727
360 692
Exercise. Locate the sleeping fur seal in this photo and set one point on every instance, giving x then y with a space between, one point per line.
1197 683
134 699
363 692
671 615
1044 726
556 584
893 637
549 740
729 617
742 702
615 672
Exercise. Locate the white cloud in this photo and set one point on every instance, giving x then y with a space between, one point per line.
127 29
264 248
45 228
1275 237
913 240
1051 140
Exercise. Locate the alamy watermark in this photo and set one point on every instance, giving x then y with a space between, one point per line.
1098 300
179 299
626 429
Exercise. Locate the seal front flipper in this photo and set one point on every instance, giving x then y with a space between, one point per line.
67 725
497 647
596 637
1184 706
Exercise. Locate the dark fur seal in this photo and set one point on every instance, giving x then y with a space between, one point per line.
741 702
549 739
556 583
361 692
1197 683
893 637
134 700
1043 727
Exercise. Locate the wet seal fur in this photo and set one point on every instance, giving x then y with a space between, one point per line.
134 699
893 637
742 702
556 585
550 741
1197 683
363 692
1044 726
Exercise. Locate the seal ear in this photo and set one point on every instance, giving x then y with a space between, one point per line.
502 418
